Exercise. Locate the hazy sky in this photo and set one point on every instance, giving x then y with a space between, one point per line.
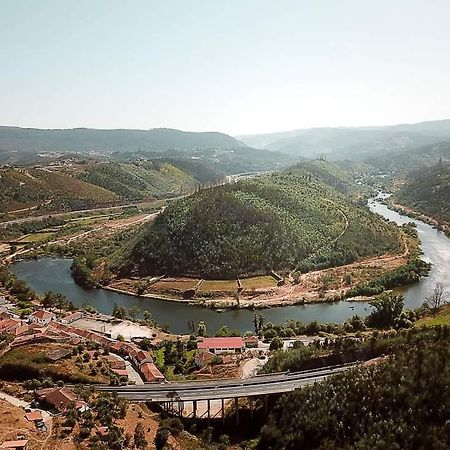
237 66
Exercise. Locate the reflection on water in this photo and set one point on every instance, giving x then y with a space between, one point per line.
53 274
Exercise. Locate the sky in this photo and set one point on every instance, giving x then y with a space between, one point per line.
236 66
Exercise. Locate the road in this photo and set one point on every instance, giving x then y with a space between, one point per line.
67 213
226 389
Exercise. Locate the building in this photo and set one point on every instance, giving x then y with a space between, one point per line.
140 357
15 327
72 317
218 345
251 341
58 399
42 317
150 373
21 444
203 358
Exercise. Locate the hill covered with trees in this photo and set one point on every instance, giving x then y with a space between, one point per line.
89 139
80 186
398 402
356 143
282 221
428 191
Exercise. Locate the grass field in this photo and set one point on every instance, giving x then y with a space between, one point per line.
218 285
36 237
442 317
258 282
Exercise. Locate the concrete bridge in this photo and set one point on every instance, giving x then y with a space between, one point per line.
183 399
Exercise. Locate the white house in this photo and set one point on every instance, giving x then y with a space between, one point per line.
42 317
218 345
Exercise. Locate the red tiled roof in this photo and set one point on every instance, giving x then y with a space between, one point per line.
142 356
205 356
59 398
120 372
41 314
150 372
33 416
15 444
221 342
9 325
102 431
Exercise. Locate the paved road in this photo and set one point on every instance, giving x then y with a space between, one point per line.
67 213
213 390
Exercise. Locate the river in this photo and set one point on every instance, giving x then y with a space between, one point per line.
53 274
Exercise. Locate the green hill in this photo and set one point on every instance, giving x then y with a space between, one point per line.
356 143
428 191
29 187
426 156
331 174
88 139
280 221
154 179
90 185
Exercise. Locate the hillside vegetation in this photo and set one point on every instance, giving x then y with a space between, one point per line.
88 139
30 187
358 143
396 403
428 191
82 186
282 221
422 157
154 179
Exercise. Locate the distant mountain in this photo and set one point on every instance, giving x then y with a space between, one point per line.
422 157
352 143
87 139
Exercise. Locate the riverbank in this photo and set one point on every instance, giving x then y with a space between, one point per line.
320 286
439 225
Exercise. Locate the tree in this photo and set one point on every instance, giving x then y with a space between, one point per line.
161 438
436 299
140 441
147 316
387 308
201 329
276 343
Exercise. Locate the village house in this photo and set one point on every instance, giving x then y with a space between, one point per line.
140 357
42 317
15 327
251 341
203 358
150 373
20 444
72 317
219 345
59 399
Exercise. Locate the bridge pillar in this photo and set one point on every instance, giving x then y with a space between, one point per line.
209 410
194 408
236 407
251 408
223 411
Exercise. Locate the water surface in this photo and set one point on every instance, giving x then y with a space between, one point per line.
53 274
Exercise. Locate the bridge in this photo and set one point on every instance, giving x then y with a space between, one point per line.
174 396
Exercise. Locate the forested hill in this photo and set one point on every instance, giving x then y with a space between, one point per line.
401 161
428 191
88 139
330 174
88 185
356 143
279 221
